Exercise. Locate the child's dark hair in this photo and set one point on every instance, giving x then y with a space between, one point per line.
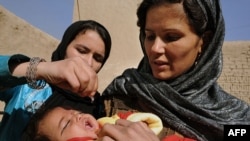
31 131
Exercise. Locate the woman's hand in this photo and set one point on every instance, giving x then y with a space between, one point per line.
125 130
72 74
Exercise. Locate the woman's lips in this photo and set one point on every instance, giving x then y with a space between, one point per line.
159 64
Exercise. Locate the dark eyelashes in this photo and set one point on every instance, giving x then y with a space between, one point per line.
65 126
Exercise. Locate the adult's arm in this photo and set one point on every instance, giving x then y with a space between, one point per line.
8 63
72 74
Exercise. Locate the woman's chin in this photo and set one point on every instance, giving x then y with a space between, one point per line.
161 75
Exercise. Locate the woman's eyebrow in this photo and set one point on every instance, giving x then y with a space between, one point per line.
82 46
148 30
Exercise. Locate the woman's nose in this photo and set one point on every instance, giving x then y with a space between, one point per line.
158 46
89 59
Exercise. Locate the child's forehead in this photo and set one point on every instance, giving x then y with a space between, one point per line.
61 112
66 109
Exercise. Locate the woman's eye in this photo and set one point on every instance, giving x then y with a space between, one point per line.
150 37
83 51
170 38
98 58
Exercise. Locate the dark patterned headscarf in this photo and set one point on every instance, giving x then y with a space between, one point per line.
193 104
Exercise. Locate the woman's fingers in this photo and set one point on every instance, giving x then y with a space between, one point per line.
88 80
125 130
70 74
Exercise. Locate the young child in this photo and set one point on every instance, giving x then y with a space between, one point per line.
62 124
66 124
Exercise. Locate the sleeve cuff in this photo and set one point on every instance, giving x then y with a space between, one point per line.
7 80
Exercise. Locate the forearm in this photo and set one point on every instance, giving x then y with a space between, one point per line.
19 70
10 74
